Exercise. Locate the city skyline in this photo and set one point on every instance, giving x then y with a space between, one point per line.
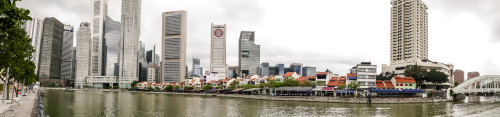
447 39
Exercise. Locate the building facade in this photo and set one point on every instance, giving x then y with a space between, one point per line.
233 71
297 67
99 12
249 54
408 31
264 69
67 53
153 72
218 50
458 76
129 42
111 47
33 29
309 71
50 51
83 54
471 75
143 65
366 74
174 29
196 70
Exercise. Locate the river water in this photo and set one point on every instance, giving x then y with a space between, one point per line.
67 103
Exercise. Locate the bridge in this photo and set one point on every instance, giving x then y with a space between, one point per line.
480 84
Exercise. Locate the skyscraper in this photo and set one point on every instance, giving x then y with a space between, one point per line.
99 13
33 29
50 51
111 47
408 31
174 29
309 71
218 50
67 53
264 69
249 54
83 54
129 42
143 65
297 67
149 56
196 69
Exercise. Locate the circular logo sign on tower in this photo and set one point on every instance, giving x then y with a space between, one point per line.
218 32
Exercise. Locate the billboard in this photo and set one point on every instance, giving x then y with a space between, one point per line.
218 31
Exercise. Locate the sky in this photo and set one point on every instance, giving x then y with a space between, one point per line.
326 34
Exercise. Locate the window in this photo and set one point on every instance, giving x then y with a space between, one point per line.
411 84
245 54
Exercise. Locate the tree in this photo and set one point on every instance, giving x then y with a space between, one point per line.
149 88
134 83
207 87
177 87
416 72
341 86
436 77
456 84
15 47
290 82
218 87
308 83
386 76
169 88
353 85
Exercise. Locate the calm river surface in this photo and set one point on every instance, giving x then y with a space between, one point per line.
62 103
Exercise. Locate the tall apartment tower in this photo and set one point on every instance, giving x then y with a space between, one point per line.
458 76
67 53
99 12
174 29
129 42
33 29
473 74
408 31
249 54
83 46
50 50
218 50
264 69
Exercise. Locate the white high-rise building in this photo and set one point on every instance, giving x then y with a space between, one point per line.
33 29
67 53
129 42
174 29
408 31
82 54
98 15
218 50
249 54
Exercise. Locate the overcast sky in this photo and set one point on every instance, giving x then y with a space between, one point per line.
327 34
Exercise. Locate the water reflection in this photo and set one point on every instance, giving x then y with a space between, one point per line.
126 104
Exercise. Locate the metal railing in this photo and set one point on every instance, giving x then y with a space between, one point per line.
40 106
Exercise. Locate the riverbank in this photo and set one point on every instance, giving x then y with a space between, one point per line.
404 100
315 98
23 106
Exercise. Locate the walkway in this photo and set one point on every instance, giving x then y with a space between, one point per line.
23 109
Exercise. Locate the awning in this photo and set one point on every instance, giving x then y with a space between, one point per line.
295 88
385 90
352 78
345 91
237 90
327 88
412 91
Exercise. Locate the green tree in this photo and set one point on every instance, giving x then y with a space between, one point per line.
207 87
416 72
341 86
218 87
386 76
157 88
456 84
177 87
290 82
307 83
134 83
15 47
436 77
149 88
353 85
169 88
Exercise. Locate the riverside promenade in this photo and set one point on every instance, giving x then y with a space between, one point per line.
23 108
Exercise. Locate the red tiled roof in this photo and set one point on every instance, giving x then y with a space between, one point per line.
323 73
149 83
288 74
351 75
311 77
334 78
302 79
272 77
400 79
333 83
388 84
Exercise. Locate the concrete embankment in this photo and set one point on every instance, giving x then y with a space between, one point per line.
320 99
22 106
